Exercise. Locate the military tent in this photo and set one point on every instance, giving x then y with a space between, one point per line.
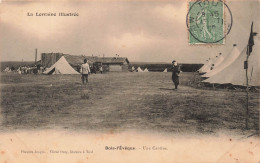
139 69
235 73
146 70
165 70
60 67
219 60
203 69
203 66
229 59
211 65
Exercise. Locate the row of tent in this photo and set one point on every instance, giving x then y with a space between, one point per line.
230 69
63 67
140 70
145 70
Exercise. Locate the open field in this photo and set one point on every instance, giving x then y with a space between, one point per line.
122 101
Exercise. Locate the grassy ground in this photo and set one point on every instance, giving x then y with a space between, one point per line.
122 101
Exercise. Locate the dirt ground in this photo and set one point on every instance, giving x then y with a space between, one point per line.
123 101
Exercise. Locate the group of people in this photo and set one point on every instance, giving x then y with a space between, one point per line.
9 69
26 69
85 71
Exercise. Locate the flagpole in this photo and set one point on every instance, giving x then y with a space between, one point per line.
247 91
249 50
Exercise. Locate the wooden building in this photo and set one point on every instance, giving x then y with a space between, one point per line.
109 64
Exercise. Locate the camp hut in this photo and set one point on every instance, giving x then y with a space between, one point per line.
113 64
49 59
76 60
60 67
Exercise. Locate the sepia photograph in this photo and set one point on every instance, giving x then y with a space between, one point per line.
129 81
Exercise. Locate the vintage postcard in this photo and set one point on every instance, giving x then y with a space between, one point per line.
129 81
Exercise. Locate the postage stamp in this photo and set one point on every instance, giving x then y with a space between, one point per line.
205 22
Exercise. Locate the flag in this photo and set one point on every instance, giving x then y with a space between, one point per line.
251 41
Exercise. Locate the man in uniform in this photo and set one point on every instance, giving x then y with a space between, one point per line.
85 70
175 73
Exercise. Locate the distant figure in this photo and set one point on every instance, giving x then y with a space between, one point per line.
34 69
12 68
101 70
175 73
93 69
27 68
41 70
7 69
19 70
133 69
85 70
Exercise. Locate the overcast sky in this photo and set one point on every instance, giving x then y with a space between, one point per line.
146 31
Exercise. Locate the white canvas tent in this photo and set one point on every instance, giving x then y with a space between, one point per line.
218 61
210 66
139 69
61 67
205 66
165 70
236 74
146 70
230 58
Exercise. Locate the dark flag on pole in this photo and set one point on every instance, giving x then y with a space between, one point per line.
249 50
251 41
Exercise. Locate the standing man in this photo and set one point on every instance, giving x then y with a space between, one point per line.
101 69
85 70
175 73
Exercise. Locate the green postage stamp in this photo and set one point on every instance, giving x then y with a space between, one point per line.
205 22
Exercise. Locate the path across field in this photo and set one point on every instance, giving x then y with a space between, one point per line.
120 102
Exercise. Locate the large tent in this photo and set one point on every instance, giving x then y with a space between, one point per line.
230 58
219 60
205 66
235 73
211 65
61 67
